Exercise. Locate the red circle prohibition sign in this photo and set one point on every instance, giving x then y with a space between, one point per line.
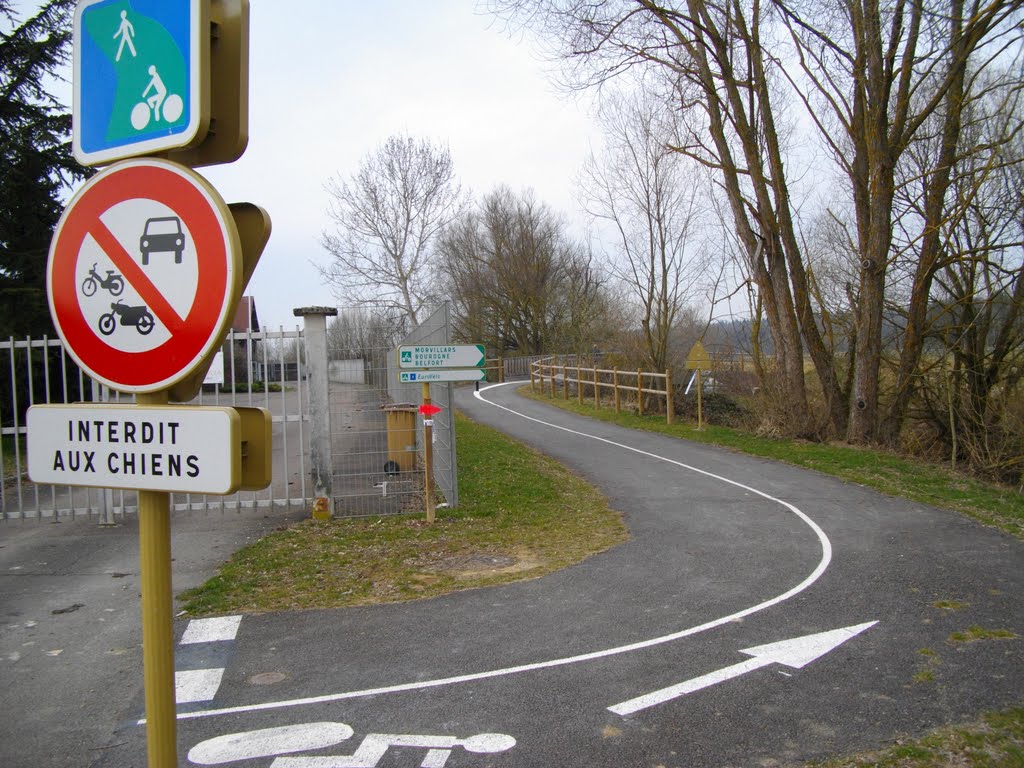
192 335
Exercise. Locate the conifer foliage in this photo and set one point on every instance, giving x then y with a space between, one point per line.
36 163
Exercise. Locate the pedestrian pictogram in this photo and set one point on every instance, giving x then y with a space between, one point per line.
144 92
143 274
125 33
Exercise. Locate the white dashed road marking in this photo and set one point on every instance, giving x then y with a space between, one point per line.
192 685
211 630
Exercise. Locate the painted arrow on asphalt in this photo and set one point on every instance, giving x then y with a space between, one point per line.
796 653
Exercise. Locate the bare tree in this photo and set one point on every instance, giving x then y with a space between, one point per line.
359 330
652 200
386 216
974 330
874 79
516 280
891 77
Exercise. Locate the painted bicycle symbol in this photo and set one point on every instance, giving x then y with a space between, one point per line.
113 282
139 316
281 743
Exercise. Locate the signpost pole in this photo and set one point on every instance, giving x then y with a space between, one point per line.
428 456
157 610
670 401
700 405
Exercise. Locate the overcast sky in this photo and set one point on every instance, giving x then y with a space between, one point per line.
331 79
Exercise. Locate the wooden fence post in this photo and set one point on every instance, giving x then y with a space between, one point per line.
579 385
597 395
532 387
501 370
565 383
670 404
639 392
615 386
552 384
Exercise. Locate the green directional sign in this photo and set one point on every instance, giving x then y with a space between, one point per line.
441 356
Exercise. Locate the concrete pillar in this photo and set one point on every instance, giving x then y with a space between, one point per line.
315 338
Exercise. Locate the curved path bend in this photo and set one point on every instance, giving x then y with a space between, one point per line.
728 554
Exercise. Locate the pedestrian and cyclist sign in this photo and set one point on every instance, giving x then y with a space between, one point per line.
143 274
139 77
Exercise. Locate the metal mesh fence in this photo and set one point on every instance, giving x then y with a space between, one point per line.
259 369
376 432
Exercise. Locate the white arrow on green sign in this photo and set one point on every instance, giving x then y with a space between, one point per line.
441 356
431 377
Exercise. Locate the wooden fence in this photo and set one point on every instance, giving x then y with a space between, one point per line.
556 377
494 369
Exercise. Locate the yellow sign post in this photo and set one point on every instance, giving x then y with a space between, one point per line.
157 613
428 410
209 43
699 360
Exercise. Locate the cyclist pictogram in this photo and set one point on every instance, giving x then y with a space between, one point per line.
159 106
284 742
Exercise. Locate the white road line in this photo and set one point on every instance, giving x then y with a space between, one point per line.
196 685
681 689
796 653
826 558
211 630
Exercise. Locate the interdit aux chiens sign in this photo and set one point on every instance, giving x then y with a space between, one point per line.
441 356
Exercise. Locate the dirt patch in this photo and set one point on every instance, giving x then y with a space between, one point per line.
476 564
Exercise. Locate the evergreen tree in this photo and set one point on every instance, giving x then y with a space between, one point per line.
36 163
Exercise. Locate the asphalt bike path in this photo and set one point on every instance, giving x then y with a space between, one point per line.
663 651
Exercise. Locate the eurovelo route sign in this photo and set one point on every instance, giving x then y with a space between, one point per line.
143 275
432 377
441 356
139 77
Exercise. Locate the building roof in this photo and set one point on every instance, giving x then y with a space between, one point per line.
245 316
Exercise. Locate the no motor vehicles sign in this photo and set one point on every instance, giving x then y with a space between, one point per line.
143 274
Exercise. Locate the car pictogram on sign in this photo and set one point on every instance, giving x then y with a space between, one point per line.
162 234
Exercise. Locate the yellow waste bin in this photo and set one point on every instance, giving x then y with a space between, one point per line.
401 421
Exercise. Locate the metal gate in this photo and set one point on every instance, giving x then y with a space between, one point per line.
262 369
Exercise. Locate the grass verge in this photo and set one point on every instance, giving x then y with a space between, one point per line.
895 475
994 741
521 516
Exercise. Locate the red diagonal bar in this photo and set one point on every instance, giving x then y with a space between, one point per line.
138 279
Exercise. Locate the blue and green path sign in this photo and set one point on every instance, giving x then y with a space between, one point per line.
441 356
139 85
